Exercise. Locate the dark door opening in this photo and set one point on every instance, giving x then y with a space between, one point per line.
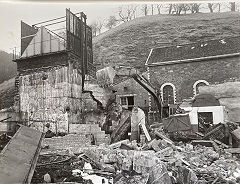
130 102
205 121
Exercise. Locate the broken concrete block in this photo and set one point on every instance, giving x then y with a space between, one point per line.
125 159
159 174
155 145
143 161
206 143
165 152
110 157
135 179
108 168
87 168
126 146
118 144
186 176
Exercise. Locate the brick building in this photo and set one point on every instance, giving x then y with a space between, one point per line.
130 93
178 71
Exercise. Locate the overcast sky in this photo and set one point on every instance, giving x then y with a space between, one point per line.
11 14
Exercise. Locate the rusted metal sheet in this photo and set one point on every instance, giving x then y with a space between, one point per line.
19 157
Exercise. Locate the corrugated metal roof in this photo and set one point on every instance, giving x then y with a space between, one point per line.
201 49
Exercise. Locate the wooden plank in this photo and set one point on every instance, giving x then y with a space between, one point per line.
146 132
233 150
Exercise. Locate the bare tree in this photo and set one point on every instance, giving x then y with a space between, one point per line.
94 27
232 6
219 6
112 21
159 6
127 14
213 6
185 7
145 9
134 11
210 6
194 7
152 8
100 24
178 8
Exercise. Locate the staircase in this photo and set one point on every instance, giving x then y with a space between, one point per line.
100 136
79 136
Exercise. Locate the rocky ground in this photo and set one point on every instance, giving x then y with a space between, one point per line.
158 161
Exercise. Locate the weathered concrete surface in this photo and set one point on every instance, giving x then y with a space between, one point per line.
18 159
228 95
100 93
52 97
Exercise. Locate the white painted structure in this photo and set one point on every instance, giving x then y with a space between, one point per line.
217 111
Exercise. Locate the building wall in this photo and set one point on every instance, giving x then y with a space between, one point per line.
141 98
50 91
184 75
218 114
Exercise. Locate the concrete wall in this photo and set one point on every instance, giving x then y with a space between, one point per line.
50 91
228 95
184 75
56 100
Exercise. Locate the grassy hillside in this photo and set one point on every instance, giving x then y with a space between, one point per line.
8 69
7 91
130 43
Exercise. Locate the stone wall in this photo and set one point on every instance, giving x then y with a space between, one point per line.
131 87
184 75
228 95
50 91
56 100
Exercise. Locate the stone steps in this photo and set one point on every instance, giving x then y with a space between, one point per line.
79 136
68 141
84 128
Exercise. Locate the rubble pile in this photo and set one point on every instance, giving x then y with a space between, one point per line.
159 161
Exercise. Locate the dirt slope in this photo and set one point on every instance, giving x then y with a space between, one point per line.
130 43
7 92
